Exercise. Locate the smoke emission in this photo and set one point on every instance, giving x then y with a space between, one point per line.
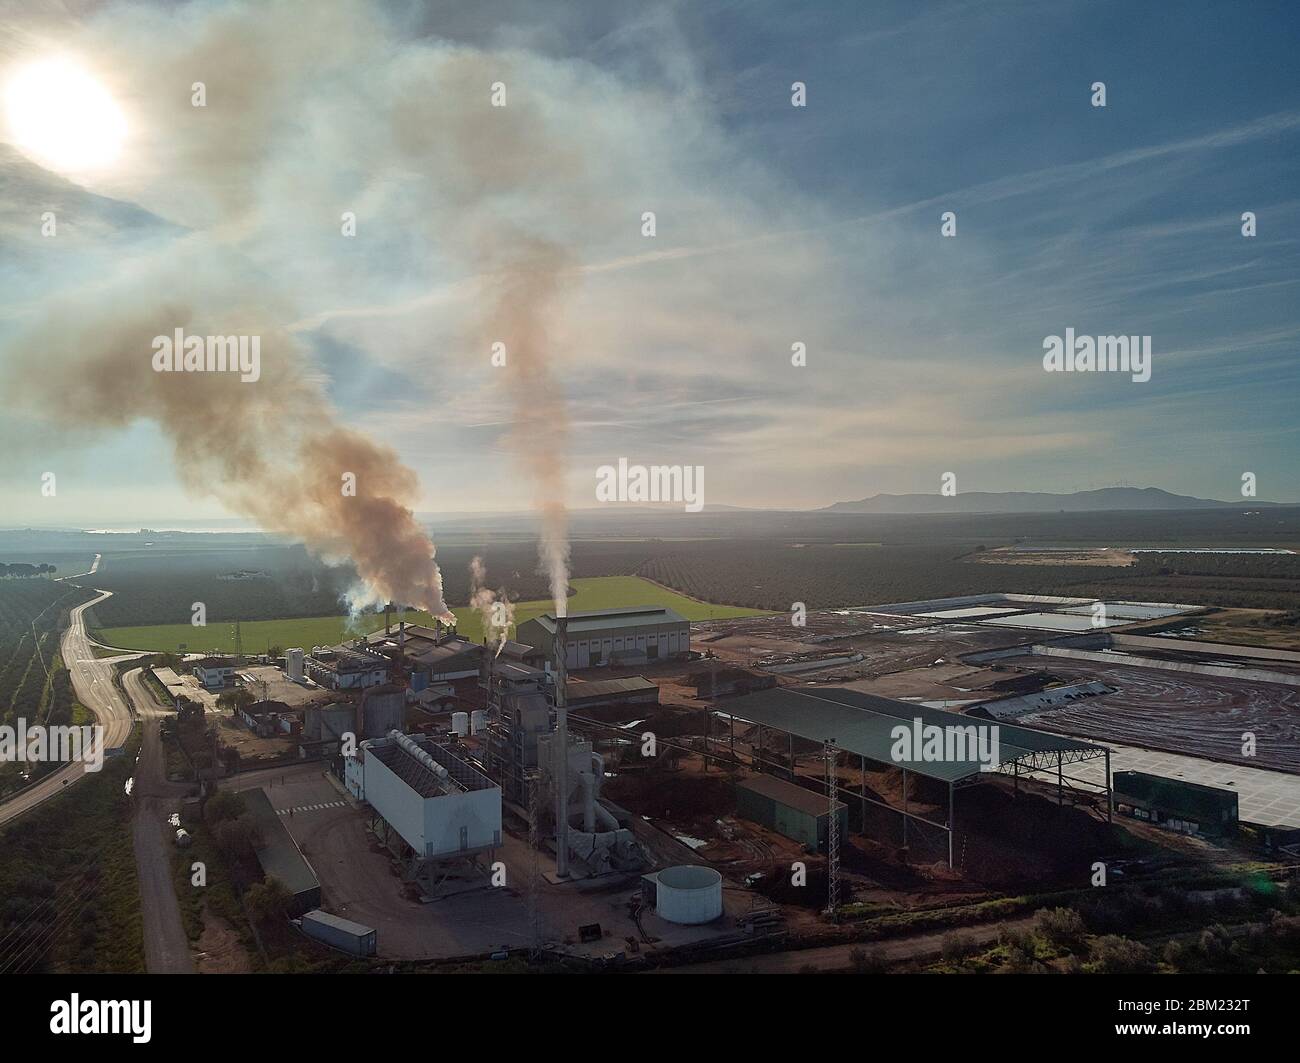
497 611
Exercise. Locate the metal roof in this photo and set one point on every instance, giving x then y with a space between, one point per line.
789 794
604 619
278 854
863 724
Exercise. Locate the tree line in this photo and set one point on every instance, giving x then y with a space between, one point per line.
22 570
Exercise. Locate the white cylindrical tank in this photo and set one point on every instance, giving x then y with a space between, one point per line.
460 723
688 894
293 663
477 721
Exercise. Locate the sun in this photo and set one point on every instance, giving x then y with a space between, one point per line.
61 117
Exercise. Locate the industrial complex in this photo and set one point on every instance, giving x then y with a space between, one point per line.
624 785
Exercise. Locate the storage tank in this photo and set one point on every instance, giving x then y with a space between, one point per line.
383 709
460 723
477 721
293 663
688 894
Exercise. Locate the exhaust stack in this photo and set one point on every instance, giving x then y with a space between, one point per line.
562 744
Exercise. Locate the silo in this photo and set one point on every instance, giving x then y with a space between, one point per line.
688 894
383 709
293 663
477 721
460 723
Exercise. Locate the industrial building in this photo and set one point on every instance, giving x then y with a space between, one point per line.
215 673
789 809
268 718
346 668
1188 807
863 726
629 636
427 654
278 854
519 711
432 806
595 693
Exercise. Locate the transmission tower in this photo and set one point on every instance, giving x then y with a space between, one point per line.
239 646
534 783
829 754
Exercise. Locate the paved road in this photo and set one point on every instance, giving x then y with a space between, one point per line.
166 947
93 682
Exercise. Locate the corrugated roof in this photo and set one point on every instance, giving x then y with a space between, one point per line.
599 688
602 619
862 723
278 854
789 794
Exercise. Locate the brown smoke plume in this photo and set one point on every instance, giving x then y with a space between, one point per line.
270 450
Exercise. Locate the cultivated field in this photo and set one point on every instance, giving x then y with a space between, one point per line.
594 593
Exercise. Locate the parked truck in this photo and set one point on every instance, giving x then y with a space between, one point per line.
339 933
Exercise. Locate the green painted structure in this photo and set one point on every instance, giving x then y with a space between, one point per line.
794 811
1175 803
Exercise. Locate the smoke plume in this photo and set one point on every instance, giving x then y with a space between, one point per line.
497 611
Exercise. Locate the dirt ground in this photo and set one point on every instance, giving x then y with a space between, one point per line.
1105 557
220 950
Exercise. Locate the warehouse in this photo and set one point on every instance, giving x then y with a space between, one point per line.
631 690
215 673
278 854
864 726
795 811
1189 807
630 636
344 668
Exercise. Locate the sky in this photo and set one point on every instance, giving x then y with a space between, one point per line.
774 225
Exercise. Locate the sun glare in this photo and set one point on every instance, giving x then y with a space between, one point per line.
61 117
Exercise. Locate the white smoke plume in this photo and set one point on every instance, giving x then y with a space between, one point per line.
496 610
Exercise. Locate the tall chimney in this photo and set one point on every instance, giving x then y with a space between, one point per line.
437 631
562 744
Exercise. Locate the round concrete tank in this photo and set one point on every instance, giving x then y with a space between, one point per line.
688 894
477 721
460 723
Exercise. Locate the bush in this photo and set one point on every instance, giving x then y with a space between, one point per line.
956 947
1062 927
1114 954
868 961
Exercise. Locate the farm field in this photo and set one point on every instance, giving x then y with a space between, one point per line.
601 592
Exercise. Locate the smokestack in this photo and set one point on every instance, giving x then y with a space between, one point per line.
562 742
388 618
437 631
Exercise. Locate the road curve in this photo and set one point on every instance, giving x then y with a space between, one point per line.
92 680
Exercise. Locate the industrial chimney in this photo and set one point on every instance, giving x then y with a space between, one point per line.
562 748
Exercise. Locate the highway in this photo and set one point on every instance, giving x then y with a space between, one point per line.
92 680
166 947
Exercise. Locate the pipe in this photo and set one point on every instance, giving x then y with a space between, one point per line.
409 744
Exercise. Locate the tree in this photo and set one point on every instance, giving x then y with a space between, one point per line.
268 900
235 699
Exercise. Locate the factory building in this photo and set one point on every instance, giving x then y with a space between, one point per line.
431 805
215 673
789 809
346 668
1189 807
596 693
519 712
428 654
631 636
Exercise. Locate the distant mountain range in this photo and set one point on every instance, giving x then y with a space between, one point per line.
1107 498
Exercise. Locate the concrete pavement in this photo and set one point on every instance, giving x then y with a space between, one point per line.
92 680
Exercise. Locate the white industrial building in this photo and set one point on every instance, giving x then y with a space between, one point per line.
215 673
345 668
432 805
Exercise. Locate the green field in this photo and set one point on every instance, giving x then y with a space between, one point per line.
602 592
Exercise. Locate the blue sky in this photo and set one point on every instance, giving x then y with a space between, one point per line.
774 225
